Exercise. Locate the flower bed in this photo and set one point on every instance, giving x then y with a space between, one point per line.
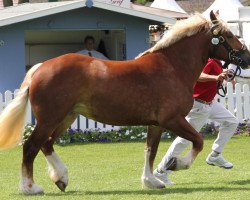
128 133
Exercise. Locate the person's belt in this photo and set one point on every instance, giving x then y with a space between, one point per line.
204 102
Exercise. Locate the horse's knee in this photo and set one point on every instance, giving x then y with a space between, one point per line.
48 148
183 142
198 143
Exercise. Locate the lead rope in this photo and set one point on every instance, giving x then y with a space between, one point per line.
220 83
220 86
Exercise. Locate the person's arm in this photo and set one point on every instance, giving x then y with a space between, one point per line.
206 77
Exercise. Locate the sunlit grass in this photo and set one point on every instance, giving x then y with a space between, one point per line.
113 170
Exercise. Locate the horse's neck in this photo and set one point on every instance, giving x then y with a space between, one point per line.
189 55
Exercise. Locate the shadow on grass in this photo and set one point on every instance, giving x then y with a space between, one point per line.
164 191
241 182
175 190
169 190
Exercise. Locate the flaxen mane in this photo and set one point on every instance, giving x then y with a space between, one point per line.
184 28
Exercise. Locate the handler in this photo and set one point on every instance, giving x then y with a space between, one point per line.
204 108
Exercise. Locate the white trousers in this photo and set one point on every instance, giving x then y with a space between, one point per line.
198 117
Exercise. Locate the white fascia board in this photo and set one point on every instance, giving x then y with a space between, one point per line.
29 11
24 16
136 13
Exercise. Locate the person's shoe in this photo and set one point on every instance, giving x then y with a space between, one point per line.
218 161
163 177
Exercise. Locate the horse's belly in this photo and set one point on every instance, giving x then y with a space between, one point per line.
115 116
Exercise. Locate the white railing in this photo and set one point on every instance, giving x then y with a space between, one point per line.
236 101
80 123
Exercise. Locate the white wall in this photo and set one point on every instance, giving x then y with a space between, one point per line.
43 45
41 52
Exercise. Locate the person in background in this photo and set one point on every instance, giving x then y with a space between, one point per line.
204 108
89 45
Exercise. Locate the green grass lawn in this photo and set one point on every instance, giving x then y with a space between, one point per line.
113 171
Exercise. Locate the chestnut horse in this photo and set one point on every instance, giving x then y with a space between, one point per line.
155 89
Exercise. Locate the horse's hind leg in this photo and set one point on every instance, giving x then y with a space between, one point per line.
30 150
153 139
58 172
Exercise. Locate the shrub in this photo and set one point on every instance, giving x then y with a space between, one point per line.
96 135
128 133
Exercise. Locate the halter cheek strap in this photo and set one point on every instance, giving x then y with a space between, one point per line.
233 55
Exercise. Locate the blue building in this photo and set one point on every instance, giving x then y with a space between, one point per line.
32 33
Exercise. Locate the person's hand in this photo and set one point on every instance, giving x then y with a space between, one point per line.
229 74
221 77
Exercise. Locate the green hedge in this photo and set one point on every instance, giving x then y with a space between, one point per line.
128 133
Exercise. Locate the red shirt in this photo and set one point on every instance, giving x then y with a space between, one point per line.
206 91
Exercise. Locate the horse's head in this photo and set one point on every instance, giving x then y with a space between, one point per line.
226 45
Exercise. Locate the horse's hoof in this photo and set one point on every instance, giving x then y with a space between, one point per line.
31 189
172 164
152 183
61 185
178 163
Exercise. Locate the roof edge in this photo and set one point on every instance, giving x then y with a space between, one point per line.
49 11
59 7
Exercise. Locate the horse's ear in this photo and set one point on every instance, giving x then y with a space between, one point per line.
213 17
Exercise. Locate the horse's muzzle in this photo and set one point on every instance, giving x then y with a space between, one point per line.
242 59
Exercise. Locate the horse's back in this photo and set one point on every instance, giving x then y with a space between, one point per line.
115 92
96 88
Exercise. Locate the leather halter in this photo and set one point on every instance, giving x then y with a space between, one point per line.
234 56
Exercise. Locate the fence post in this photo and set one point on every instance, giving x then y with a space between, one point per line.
83 122
230 98
246 102
239 105
8 96
74 124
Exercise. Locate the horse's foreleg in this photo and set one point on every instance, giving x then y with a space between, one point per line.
153 139
58 172
183 129
30 150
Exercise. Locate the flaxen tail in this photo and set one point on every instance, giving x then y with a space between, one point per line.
13 116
